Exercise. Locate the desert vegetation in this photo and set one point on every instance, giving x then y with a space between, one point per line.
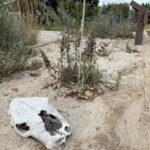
16 37
100 22
66 73
93 75
111 20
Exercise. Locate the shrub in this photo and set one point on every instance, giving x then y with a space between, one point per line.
108 27
67 70
120 10
14 43
11 60
90 74
36 64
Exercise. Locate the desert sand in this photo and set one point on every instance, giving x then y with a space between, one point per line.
117 120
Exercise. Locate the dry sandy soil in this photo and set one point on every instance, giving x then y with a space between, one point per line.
113 121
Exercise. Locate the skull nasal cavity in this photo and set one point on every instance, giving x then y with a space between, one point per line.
52 123
22 127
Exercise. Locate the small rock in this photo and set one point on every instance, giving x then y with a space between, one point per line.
89 93
106 44
15 89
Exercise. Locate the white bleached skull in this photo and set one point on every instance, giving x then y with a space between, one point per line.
35 117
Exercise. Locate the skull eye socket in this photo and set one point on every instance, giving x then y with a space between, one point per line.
52 123
22 127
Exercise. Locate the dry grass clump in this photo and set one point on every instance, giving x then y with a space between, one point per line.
68 62
90 74
66 73
49 65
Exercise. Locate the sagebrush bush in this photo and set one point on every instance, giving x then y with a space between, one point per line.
14 43
108 27
36 64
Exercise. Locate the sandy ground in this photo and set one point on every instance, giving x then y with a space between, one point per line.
113 121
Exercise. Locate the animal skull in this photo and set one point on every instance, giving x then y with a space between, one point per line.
35 117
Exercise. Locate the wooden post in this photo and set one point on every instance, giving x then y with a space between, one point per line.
146 17
143 15
140 29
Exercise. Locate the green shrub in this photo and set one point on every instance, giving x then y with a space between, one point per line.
14 43
36 64
91 75
11 60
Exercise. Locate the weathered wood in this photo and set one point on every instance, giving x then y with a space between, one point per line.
137 7
143 18
146 17
140 29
